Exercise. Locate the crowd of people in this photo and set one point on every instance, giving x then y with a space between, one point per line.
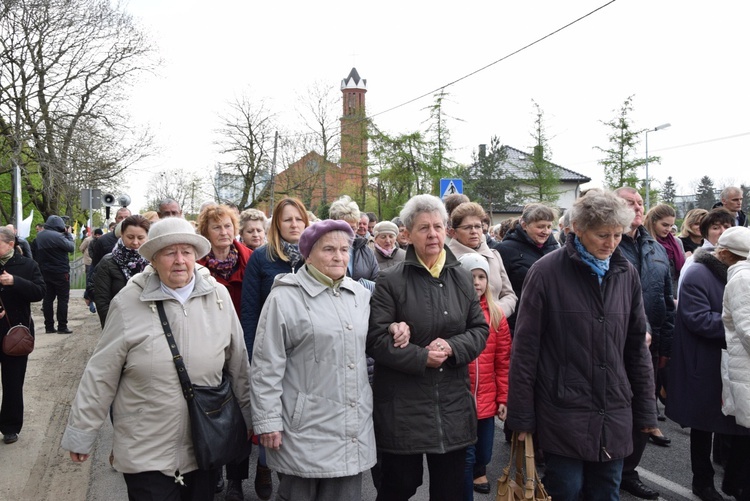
357 345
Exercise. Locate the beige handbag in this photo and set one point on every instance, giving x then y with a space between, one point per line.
524 483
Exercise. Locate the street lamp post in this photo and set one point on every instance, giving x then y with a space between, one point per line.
648 192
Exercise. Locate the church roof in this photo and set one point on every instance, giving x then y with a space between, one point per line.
353 81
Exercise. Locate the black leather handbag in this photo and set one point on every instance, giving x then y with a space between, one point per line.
216 424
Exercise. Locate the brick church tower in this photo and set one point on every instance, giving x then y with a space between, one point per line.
354 135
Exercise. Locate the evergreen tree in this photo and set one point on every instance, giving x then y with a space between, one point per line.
668 192
620 163
541 178
439 140
705 197
488 182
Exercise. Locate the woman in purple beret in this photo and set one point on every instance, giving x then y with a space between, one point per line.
312 402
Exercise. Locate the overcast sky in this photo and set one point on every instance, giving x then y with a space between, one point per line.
685 63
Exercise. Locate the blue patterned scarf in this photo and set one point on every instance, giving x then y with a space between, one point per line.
598 266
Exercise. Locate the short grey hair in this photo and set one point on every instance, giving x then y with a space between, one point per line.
7 235
344 209
600 208
252 215
419 204
565 219
538 212
728 192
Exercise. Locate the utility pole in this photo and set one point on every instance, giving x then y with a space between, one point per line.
273 170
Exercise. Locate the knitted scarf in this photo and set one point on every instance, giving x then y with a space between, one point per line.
292 252
674 252
223 267
128 260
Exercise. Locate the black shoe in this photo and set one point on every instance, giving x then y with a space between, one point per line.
234 491
660 440
64 331
219 484
708 494
263 482
661 417
50 331
10 438
482 488
638 489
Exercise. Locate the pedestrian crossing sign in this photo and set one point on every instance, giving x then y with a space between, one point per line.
451 187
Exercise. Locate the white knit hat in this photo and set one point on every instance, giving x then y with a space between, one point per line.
171 231
472 261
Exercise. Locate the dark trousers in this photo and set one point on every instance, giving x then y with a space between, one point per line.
737 471
58 286
402 475
292 488
640 440
478 455
156 486
568 479
239 469
13 372
700 458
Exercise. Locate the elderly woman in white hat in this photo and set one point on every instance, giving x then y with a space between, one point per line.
384 245
132 368
312 403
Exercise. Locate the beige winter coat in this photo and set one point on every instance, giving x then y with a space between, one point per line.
132 369
499 281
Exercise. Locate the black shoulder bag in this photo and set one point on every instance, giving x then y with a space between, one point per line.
216 424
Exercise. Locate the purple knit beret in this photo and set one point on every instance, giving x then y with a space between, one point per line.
316 230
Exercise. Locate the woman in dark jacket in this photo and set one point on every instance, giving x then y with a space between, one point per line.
226 261
695 397
21 284
580 372
422 401
115 269
525 243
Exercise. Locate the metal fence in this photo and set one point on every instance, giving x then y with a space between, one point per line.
77 274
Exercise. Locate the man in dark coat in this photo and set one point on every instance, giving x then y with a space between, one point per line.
52 248
650 260
21 283
731 200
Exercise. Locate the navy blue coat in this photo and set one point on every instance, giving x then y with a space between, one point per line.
694 399
256 285
650 259
53 246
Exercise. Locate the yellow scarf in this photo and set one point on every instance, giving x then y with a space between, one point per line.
437 267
